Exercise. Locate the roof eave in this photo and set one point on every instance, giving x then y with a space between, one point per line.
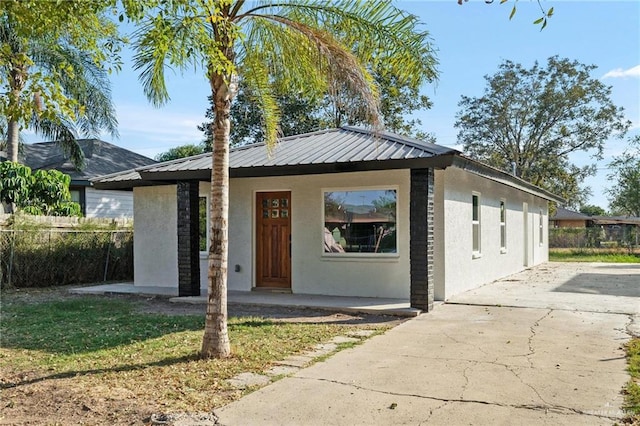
499 176
148 177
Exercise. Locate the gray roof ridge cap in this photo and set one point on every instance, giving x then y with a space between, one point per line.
413 142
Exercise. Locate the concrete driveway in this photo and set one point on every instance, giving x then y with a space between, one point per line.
560 364
587 287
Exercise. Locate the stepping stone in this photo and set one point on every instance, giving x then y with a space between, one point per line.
322 349
343 339
245 380
296 361
282 370
361 333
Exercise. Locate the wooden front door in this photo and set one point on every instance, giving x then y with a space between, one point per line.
273 239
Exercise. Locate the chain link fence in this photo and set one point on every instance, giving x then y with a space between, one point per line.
616 236
54 257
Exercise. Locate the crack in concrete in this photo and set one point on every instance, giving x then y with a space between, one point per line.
466 343
532 351
433 410
466 378
558 409
512 371
632 328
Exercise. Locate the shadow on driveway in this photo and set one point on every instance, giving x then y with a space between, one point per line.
596 283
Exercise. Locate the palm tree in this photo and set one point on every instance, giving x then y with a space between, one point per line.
310 45
54 88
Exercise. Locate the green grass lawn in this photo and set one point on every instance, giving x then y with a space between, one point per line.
632 392
92 345
593 255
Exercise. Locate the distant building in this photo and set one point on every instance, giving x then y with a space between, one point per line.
101 158
564 218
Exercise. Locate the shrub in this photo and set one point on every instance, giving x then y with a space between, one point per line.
40 257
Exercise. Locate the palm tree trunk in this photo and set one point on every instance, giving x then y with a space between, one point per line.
13 140
215 342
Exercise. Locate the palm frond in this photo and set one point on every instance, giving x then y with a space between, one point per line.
83 81
62 131
311 60
375 31
180 41
256 76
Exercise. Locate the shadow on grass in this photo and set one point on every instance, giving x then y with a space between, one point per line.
89 324
118 369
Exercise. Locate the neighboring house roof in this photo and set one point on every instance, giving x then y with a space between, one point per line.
101 158
347 149
616 220
565 214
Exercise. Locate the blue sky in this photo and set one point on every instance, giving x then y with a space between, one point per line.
472 40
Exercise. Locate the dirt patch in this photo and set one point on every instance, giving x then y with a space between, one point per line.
160 305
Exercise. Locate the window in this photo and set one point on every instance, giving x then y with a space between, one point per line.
362 221
503 227
541 228
203 213
475 223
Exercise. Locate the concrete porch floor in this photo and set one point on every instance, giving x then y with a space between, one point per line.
369 305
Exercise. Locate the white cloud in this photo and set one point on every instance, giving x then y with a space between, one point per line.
149 131
620 73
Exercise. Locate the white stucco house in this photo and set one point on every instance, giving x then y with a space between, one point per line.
344 212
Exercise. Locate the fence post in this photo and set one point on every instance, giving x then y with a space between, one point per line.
11 252
106 263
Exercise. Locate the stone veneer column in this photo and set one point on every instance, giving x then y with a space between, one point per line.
188 238
421 245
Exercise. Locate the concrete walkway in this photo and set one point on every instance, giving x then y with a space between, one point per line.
371 305
472 364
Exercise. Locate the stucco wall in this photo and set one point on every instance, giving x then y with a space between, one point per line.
108 203
457 269
155 238
313 272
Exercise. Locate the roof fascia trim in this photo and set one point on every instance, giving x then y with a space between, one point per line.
499 176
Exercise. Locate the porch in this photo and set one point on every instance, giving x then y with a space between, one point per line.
369 305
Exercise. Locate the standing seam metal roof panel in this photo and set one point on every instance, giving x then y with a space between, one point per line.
323 147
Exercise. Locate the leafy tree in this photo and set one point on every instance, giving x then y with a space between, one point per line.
54 59
299 114
531 119
624 196
45 192
303 43
592 210
303 114
182 151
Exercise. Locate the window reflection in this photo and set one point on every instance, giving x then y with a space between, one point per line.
360 221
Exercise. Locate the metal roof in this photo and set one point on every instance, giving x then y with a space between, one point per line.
346 145
346 149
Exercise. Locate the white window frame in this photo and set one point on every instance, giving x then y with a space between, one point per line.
352 255
541 229
476 226
503 225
